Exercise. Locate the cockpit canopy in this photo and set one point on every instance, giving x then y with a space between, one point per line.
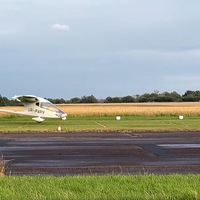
49 106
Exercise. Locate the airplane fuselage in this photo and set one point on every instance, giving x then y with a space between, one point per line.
38 107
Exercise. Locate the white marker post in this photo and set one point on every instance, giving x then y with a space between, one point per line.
118 118
181 117
59 128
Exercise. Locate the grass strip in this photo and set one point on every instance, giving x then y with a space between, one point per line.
101 123
138 187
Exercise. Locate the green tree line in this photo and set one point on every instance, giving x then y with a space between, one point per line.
188 96
4 101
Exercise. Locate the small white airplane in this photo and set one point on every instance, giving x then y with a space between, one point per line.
37 107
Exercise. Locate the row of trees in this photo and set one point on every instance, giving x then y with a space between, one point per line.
6 102
147 97
188 96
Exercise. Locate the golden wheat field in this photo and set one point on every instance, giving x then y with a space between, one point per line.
182 108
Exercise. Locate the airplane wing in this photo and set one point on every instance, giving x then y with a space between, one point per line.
26 98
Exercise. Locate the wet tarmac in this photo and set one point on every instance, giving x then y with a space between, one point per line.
100 153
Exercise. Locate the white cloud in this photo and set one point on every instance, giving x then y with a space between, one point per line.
159 52
60 27
179 57
7 32
184 78
181 83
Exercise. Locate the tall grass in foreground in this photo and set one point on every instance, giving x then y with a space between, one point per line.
101 187
2 167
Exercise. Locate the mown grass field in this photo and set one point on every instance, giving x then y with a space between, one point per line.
102 117
120 187
101 123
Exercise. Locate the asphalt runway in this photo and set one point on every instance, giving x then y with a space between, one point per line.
100 153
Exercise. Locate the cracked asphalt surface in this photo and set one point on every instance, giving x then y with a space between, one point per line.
100 153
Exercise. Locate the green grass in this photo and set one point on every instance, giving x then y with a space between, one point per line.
102 123
109 187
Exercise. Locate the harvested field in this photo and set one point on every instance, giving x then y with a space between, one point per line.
15 108
182 108
133 109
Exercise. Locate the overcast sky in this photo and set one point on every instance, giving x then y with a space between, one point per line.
71 48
